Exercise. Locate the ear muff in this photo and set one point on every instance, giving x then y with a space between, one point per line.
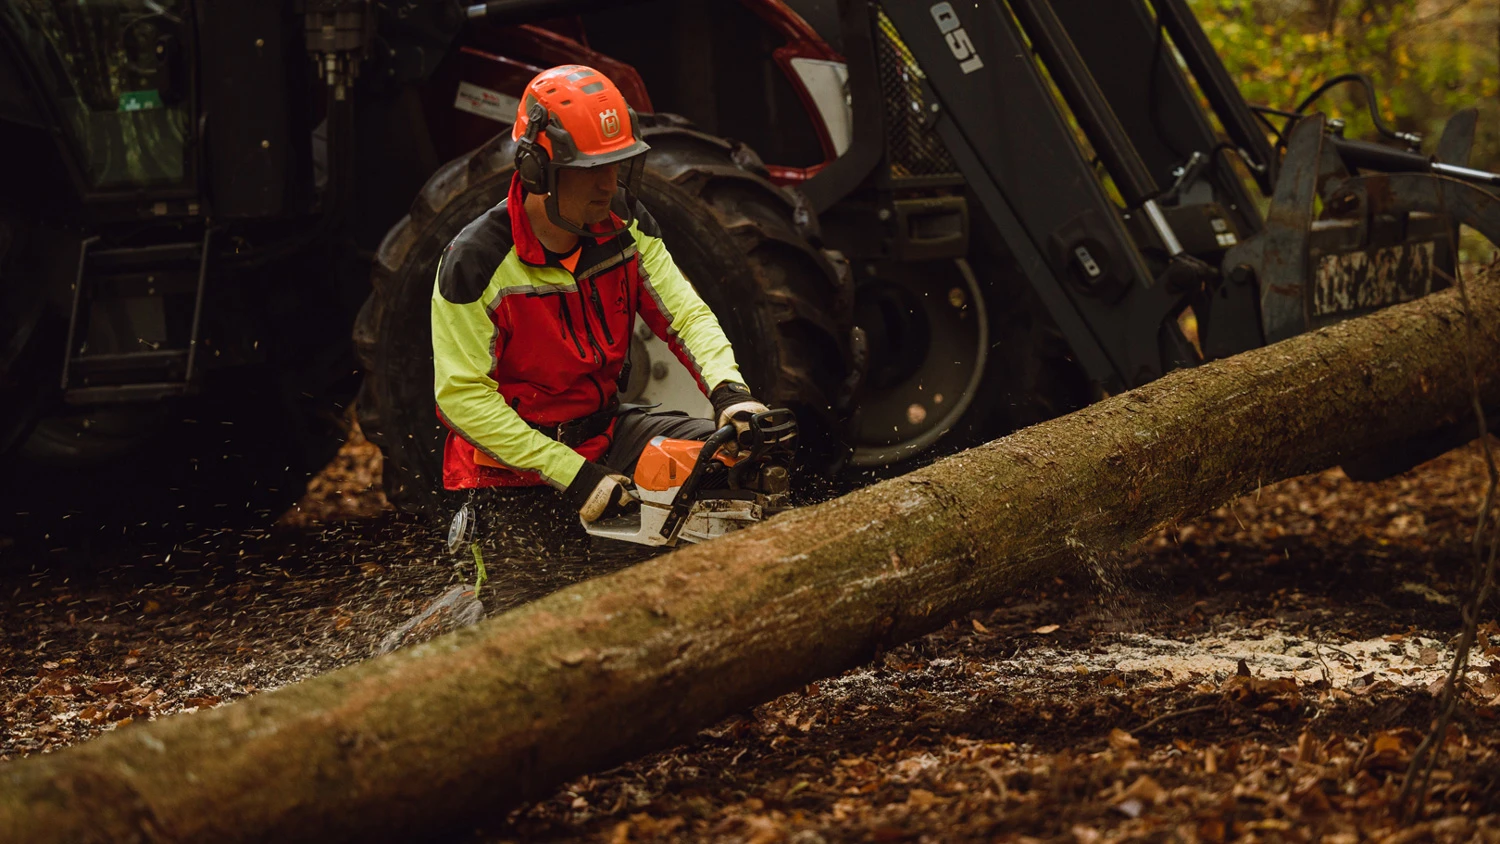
531 158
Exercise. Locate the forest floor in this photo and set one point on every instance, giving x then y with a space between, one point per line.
1262 673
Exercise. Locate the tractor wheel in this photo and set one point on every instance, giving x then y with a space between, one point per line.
782 302
960 352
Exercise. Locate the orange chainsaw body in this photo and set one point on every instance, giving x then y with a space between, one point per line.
664 464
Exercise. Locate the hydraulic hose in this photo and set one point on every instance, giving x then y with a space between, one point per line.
1380 125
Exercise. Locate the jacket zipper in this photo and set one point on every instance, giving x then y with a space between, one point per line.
599 309
588 327
567 318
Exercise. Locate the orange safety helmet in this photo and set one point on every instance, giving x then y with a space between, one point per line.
574 116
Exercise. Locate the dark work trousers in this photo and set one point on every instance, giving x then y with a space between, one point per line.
523 520
636 428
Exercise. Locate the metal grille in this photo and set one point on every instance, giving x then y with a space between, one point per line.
912 148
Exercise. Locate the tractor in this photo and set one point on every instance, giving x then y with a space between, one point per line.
922 224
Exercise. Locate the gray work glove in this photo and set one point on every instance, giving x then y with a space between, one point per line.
598 493
734 405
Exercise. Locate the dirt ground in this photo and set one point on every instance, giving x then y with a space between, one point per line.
1260 674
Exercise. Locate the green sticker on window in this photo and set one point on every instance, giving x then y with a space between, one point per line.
140 100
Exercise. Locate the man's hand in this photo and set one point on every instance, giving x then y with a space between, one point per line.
601 494
734 405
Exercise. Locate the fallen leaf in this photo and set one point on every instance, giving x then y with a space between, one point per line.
978 628
151 698
1309 794
1047 628
1123 741
921 798
109 687
1307 748
1146 789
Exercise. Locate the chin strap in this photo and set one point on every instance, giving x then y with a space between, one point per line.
554 214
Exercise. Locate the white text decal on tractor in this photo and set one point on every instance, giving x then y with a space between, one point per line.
958 40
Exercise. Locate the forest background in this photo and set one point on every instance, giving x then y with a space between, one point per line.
1428 58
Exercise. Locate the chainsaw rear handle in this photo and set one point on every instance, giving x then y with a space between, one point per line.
682 502
770 428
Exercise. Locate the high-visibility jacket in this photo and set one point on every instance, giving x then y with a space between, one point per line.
519 340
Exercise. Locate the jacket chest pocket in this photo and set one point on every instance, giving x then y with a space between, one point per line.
569 321
610 306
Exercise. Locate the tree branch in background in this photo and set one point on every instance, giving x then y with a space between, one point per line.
1413 795
1437 16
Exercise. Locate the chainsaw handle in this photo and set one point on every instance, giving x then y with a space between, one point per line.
682 502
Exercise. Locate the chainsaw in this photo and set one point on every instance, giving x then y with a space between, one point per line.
693 491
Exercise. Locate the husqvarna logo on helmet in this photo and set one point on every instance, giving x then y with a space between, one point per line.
609 122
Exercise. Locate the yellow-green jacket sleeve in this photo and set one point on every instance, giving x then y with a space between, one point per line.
673 310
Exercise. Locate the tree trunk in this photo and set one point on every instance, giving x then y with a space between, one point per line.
438 736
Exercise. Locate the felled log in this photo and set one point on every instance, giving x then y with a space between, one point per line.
440 736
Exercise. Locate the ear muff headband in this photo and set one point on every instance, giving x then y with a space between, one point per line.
531 158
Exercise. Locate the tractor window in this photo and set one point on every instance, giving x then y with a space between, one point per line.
114 72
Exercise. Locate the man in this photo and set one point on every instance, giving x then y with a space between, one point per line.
535 302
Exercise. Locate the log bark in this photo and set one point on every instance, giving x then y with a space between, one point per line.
436 737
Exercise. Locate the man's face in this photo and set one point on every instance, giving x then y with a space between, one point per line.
583 195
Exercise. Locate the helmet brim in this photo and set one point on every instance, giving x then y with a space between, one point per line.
582 161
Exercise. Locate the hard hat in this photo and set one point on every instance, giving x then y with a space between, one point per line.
573 116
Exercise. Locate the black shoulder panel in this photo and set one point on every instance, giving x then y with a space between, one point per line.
472 257
644 221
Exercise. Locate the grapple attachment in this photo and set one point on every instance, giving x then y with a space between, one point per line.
1338 244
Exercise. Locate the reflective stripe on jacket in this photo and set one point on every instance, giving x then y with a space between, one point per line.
517 340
